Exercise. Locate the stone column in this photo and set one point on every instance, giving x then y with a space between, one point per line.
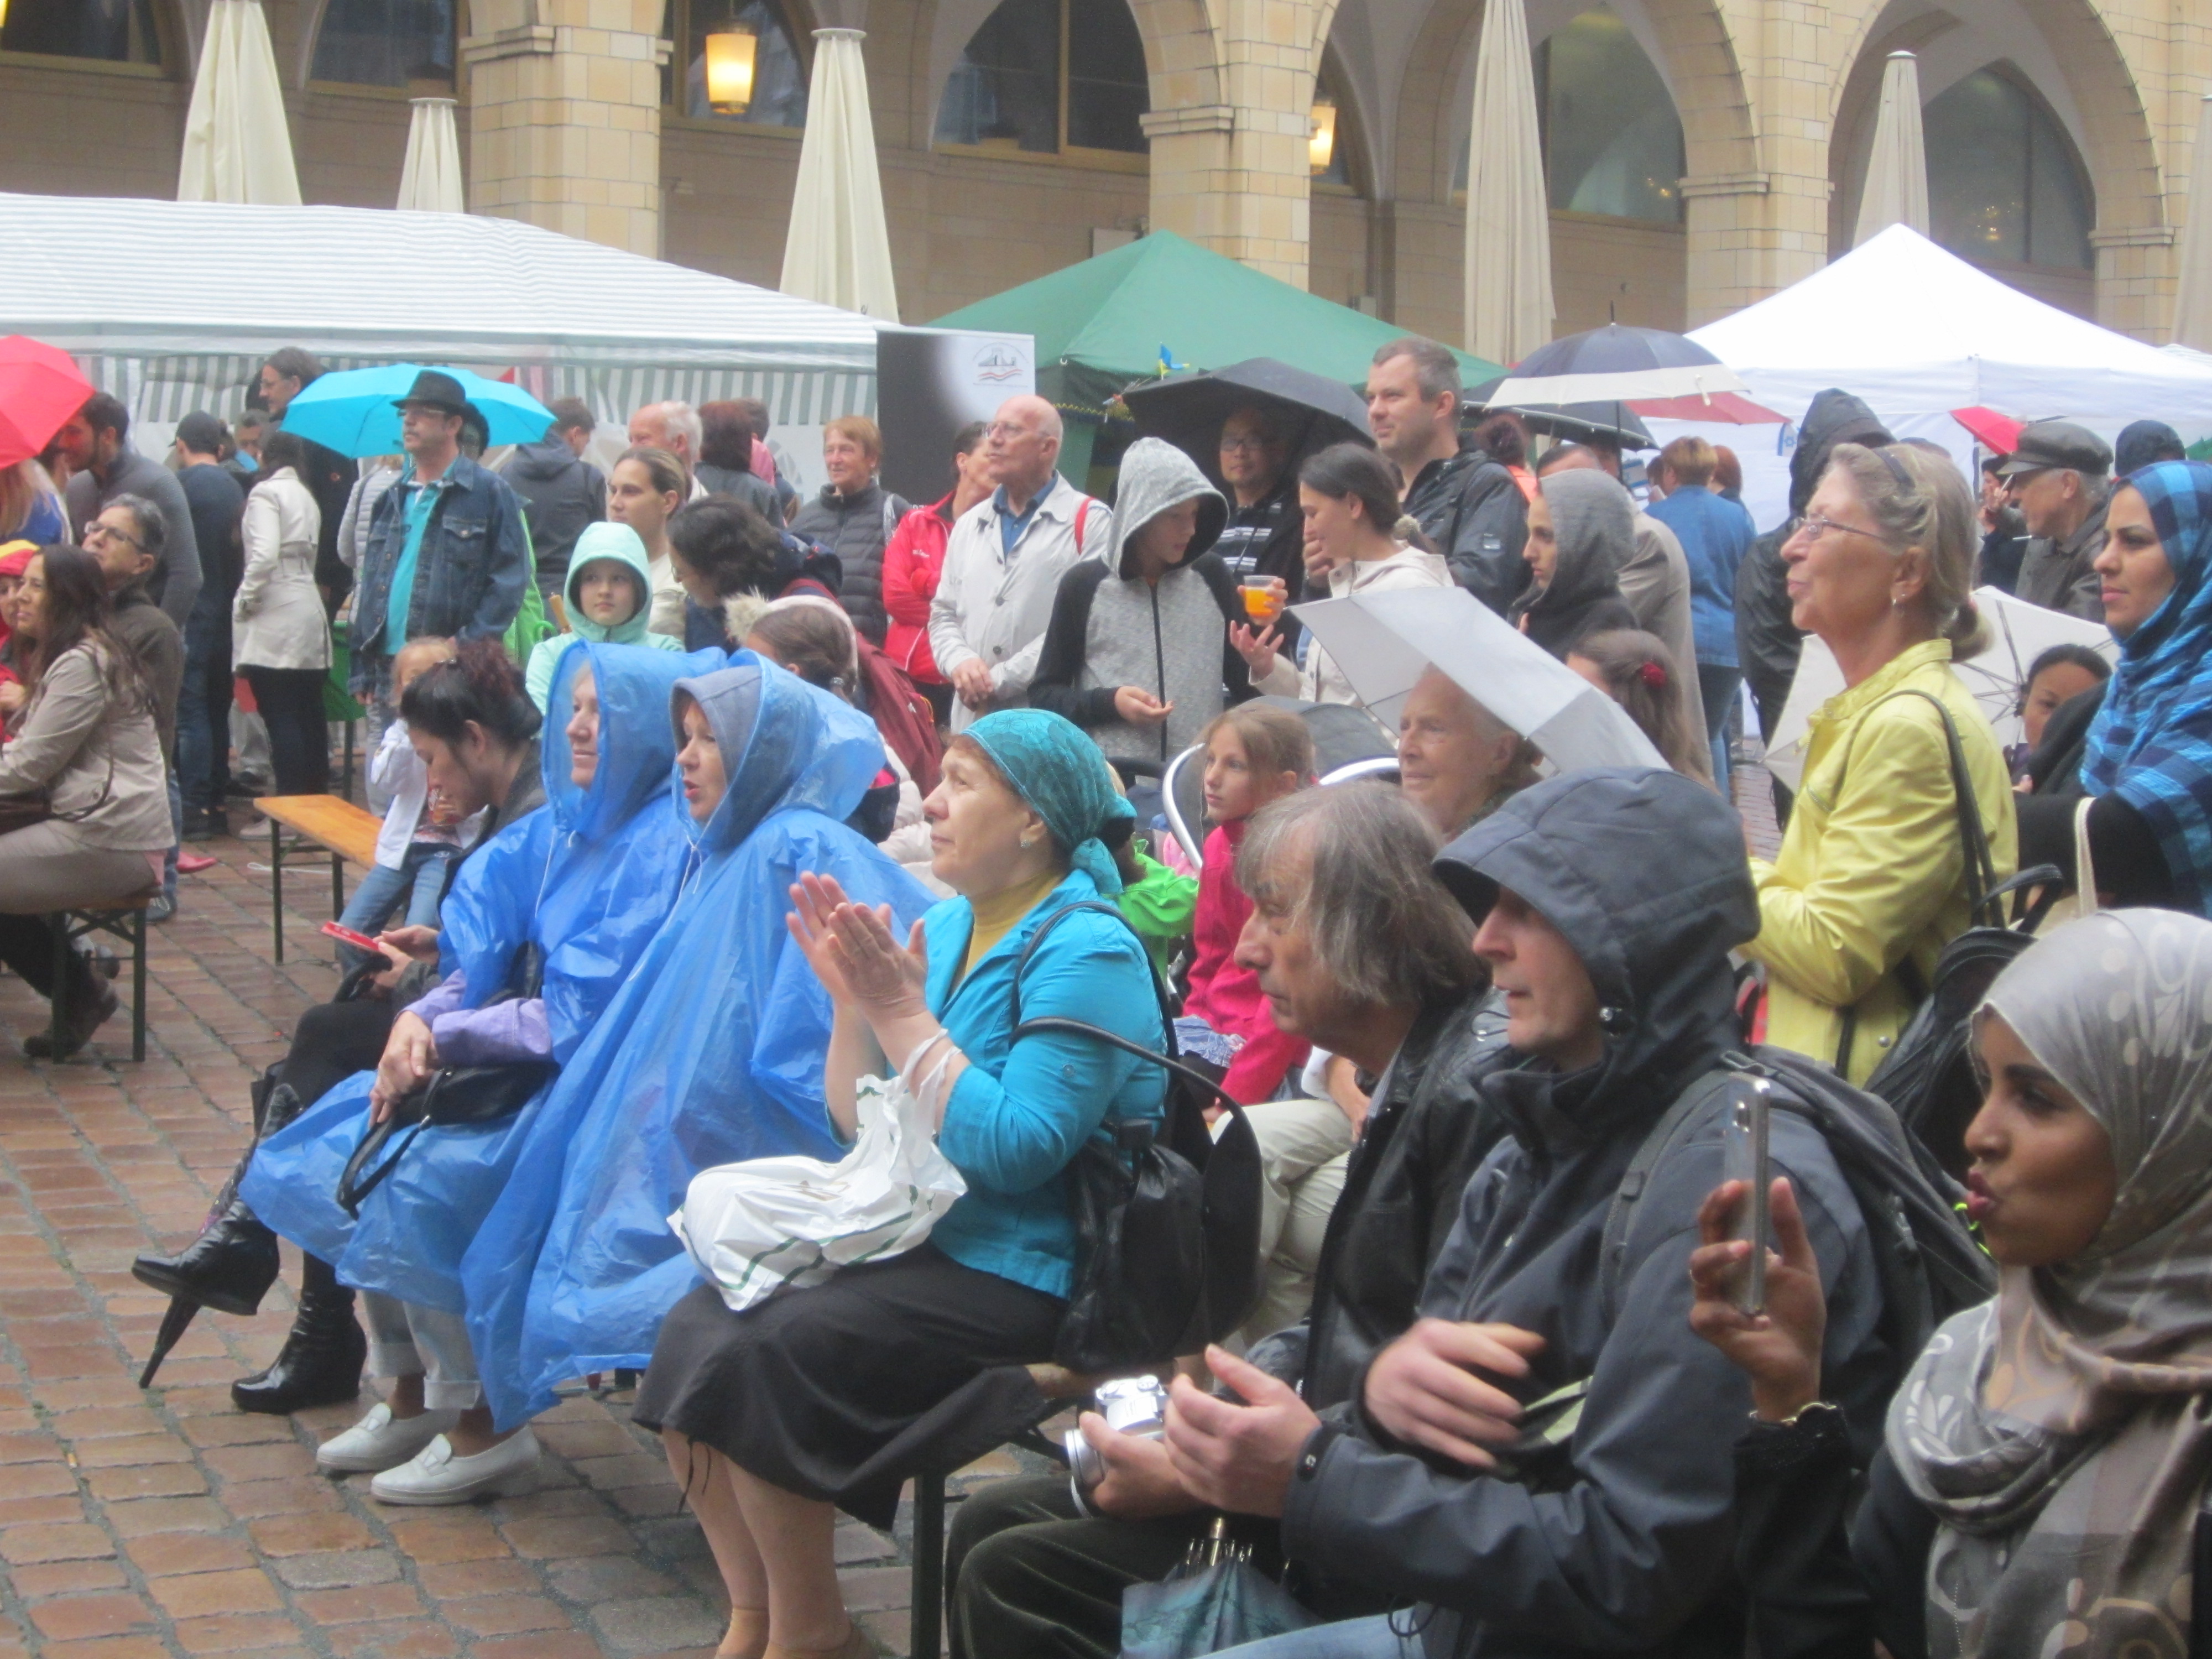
564 116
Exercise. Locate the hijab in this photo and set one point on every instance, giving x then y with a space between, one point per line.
1055 768
2151 742
1593 520
2062 1433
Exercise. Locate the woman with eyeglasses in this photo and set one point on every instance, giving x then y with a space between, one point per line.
1870 883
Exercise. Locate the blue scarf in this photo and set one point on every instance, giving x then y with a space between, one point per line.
1055 766
2151 742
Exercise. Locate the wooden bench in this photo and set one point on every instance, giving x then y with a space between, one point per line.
346 832
125 921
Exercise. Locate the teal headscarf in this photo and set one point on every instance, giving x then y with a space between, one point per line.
1060 772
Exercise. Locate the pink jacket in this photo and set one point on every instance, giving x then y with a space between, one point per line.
1228 997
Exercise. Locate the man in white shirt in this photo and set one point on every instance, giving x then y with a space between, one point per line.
1005 560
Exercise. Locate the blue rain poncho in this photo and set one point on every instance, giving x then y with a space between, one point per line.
712 1054
588 878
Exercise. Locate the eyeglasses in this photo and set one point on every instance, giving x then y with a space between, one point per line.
1252 442
1817 527
109 532
1000 432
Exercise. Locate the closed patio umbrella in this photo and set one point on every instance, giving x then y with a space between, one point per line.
1897 172
237 148
2192 294
838 250
1509 222
431 182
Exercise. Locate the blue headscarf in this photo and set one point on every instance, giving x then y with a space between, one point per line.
1060 772
2151 742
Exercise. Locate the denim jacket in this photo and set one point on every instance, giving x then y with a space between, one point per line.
469 576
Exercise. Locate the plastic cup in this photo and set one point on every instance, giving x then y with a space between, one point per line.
1261 602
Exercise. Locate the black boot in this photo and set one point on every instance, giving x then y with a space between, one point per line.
232 1264
322 1361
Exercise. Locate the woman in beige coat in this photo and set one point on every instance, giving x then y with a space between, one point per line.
86 751
281 640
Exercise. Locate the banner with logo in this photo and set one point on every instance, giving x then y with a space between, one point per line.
931 382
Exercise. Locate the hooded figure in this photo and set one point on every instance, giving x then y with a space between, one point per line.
1618 1540
1594 526
614 544
1150 615
587 880
711 1052
564 497
1767 642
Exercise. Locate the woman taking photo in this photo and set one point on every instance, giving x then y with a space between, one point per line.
281 638
1870 883
779 1416
85 742
643 491
2037 1489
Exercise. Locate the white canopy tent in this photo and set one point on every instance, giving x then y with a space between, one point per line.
1917 332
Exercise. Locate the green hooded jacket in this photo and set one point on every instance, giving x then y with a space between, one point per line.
620 542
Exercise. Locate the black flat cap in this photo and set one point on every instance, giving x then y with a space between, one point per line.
2057 443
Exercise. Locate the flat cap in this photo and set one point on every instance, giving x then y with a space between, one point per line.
2057 443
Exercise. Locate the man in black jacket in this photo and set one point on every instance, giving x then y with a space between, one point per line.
203 704
561 491
1467 504
1609 900
1400 993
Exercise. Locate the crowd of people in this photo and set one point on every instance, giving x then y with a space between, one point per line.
794 801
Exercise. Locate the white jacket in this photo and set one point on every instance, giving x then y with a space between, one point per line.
397 778
1320 680
995 605
277 617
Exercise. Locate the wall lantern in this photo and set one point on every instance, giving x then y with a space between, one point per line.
731 53
1322 146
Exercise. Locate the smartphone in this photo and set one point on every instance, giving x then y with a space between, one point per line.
345 935
1744 1158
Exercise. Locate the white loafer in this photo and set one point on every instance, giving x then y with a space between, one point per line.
380 1441
437 1476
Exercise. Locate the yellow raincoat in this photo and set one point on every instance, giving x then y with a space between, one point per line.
1872 871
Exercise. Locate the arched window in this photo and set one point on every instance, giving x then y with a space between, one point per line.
775 94
1048 76
112 31
1612 143
385 43
2004 181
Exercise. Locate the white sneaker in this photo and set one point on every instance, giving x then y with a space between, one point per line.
380 1441
437 1476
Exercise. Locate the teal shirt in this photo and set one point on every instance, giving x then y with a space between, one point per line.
422 502
1020 1111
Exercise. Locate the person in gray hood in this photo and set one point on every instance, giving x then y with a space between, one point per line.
1610 899
1137 653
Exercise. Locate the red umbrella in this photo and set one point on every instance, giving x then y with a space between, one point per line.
1731 408
1995 431
39 389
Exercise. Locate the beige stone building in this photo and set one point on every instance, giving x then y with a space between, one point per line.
1700 153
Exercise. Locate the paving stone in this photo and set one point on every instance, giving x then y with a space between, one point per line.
339 1569
173 1555
79 1618
655 1624
66 1541
66 1578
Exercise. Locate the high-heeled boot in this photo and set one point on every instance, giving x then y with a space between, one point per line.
322 1359
233 1262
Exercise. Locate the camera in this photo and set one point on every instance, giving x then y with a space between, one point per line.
1132 1405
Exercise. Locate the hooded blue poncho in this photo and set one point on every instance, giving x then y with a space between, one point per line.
712 1053
588 878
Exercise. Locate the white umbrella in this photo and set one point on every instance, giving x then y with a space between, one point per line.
1896 191
1384 642
1509 222
2192 294
1996 674
431 180
237 148
838 250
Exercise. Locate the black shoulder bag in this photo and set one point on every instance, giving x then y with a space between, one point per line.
453 1097
1167 1217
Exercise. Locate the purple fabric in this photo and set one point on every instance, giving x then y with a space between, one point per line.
483 1036
451 992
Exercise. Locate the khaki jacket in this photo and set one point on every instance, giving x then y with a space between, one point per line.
98 757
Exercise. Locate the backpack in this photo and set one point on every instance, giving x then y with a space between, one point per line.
901 714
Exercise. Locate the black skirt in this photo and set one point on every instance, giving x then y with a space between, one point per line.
842 1392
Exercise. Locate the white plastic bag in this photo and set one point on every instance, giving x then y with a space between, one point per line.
755 1226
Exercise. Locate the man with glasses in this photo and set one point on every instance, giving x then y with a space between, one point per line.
2059 477
93 447
127 540
1003 561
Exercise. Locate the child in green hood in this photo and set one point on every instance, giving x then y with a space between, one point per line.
607 595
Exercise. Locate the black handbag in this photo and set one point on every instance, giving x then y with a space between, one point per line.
454 1097
1167 1216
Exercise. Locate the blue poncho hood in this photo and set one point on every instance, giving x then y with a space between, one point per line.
711 1052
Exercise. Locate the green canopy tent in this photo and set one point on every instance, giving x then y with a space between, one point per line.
1107 321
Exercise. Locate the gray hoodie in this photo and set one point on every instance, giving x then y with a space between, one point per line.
1110 627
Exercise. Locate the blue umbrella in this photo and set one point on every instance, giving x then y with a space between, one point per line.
352 410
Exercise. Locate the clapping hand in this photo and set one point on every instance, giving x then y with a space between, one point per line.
852 949
1780 1349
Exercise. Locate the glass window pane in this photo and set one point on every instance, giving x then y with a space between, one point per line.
1006 87
1107 90
778 97
116 31
385 43
1612 142
1977 134
2060 213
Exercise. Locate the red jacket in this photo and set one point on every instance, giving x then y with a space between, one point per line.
914 559
1228 997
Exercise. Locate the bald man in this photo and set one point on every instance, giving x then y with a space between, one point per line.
1005 560
676 427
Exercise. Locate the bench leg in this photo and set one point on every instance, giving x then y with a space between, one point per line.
139 985
57 1004
276 885
337 886
928 1615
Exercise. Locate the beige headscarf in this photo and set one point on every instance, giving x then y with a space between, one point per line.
2062 1433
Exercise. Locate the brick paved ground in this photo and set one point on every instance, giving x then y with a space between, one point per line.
136 1524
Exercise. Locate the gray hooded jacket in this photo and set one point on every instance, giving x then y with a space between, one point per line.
1620 1542
1110 627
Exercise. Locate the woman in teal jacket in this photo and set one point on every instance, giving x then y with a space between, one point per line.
834 1395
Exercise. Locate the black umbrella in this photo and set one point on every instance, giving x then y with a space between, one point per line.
1617 363
1613 423
1187 410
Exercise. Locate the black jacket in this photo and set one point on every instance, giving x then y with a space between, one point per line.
855 527
2059 575
217 504
561 493
330 478
1621 1543
2131 864
1475 513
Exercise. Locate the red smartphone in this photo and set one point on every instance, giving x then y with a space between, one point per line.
345 935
